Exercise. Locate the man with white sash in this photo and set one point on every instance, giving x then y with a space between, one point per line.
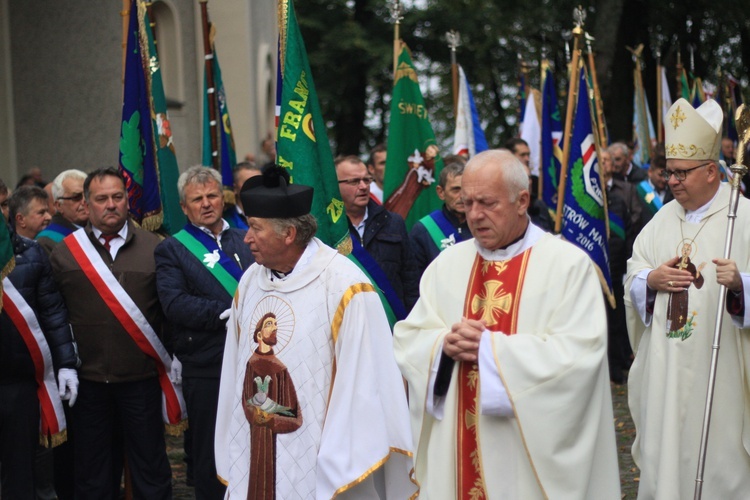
197 272
107 275
311 404
35 345
505 357
672 294
445 227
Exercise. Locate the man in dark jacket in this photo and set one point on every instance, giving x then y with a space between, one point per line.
445 227
33 305
124 364
197 272
624 224
625 169
71 211
382 234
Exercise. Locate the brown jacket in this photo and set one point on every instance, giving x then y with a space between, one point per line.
107 352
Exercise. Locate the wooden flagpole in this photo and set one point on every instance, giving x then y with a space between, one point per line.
599 108
208 56
454 40
125 14
659 101
396 17
579 16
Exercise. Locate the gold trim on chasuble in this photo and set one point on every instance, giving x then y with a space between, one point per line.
338 318
493 295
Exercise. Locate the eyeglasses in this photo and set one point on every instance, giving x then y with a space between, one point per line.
76 197
680 175
356 180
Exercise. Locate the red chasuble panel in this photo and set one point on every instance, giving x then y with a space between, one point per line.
493 295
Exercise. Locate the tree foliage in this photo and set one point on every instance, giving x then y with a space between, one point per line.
350 44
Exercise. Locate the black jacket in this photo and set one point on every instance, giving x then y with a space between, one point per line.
425 249
33 279
386 240
192 300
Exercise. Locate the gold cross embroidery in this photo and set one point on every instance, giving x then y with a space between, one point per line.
677 117
492 300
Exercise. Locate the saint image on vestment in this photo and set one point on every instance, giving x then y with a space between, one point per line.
271 407
419 177
679 325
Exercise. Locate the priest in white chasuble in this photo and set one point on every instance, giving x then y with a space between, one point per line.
671 297
311 402
505 357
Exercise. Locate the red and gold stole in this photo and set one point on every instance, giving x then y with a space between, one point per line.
493 295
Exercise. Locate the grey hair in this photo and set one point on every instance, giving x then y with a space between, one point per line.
197 175
453 166
306 226
19 201
618 146
514 174
57 184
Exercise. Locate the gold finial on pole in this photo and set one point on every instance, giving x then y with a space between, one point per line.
579 16
394 6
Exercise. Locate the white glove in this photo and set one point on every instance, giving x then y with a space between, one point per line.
67 385
225 314
175 374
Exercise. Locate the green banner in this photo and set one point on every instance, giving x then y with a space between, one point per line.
413 161
7 260
302 141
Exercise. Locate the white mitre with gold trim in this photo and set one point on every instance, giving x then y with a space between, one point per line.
693 134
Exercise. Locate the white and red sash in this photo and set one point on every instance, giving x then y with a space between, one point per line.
135 323
52 423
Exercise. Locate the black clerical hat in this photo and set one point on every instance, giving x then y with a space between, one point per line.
271 196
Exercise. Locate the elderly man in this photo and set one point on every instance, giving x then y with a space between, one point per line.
444 227
622 158
505 357
381 243
35 344
107 276
672 294
197 273
71 209
311 403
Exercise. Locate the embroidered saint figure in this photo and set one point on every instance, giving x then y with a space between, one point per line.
271 407
677 310
417 179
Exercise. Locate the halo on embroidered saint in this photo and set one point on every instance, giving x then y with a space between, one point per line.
689 243
284 320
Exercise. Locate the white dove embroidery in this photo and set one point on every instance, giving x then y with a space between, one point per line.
210 259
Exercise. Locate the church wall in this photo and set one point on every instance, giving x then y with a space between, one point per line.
61 79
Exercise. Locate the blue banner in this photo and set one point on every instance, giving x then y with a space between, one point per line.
552 133
583 222
137 155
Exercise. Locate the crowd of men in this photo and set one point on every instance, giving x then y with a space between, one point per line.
282 356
